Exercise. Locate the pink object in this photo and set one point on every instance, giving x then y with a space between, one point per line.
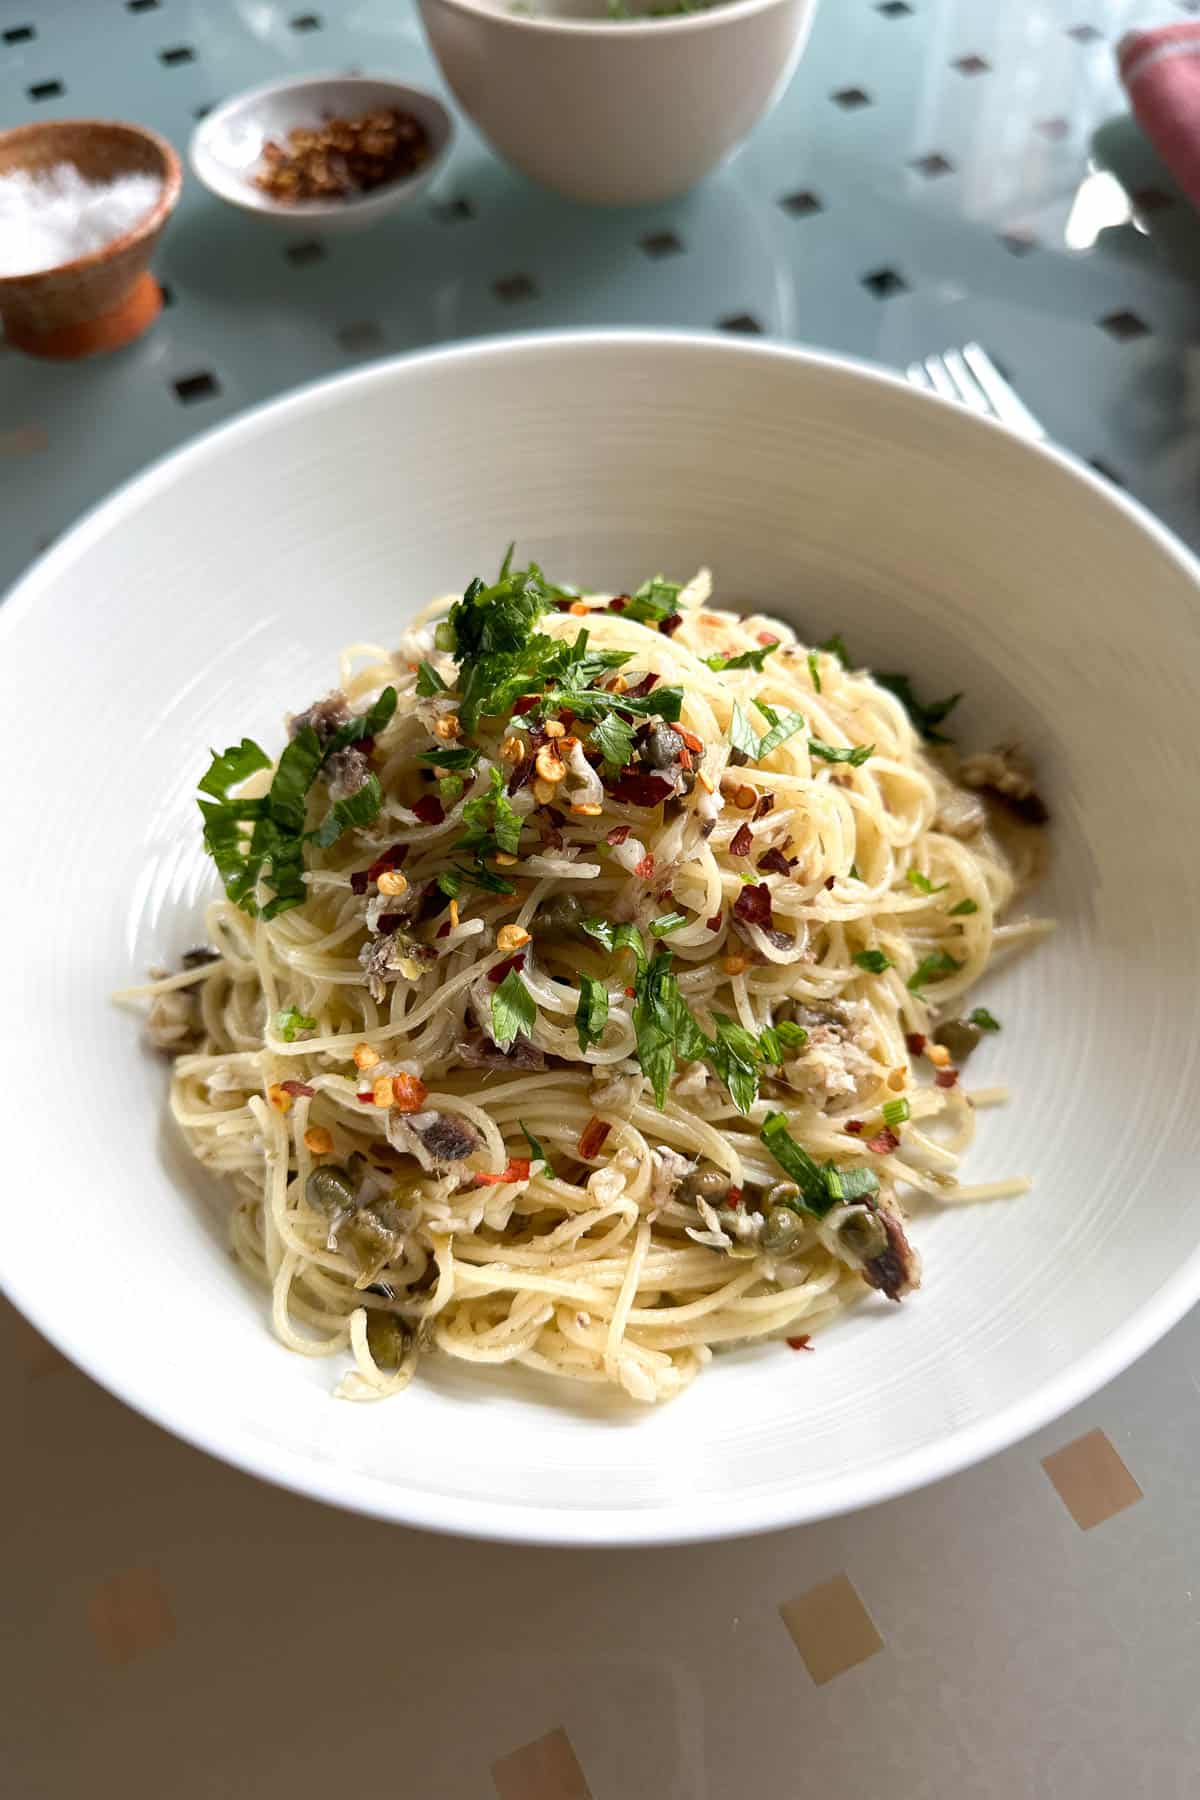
1161 72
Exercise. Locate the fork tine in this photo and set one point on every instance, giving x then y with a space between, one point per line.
966 388
915 373
1001 399
939 381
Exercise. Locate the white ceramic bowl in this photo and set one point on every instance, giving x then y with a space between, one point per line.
937 543
616 112
226 147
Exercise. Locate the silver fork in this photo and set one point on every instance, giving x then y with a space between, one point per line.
970 377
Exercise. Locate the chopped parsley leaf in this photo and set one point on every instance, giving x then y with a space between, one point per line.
873 961
741 734
591 1014
617 937
537 1152
513 1011
653 602
613 738
290 1022
668 922
925 718
745 659
923 884
854 754
983 1019
814 671
429 682
963 909
783 726
939 962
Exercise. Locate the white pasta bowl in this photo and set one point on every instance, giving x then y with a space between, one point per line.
616 111
830 493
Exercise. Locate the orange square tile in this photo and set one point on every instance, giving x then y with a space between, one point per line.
547 1769
131 1616
831 1628
1092 1481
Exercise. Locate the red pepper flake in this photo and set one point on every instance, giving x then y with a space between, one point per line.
525 704
691 740
767 637
521 776
714 924
670 625
773 860
799 1343
592 1137
742 841
685 758
734 1197
358 882
430 810
645 868
442 930
828 881
636 789
946 1078
630 992
409 1093
496 975
391 859
618 603
390 922
367 1099
617 835
884 1142
915 1042
853 1127
517 1170
642 687
766 804
753 906
297 1089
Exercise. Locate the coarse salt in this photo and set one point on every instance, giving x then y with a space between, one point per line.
52 216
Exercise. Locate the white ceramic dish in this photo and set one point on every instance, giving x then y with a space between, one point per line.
616 112
226 147
937 543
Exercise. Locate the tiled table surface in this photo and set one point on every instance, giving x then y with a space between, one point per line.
940 170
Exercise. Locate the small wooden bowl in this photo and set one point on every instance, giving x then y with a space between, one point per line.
107 298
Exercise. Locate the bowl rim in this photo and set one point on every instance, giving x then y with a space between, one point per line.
713 17
209 171
602 1527
164 206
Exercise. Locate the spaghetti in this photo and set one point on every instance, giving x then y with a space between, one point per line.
573 998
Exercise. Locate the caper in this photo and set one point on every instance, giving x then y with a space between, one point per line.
330 1189
369 1239
781 1228
959 1036
861 1233
705 1182
387 1339
780 1193
560 918
662 747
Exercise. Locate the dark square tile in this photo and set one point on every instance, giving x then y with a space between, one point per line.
45 90
802 203
453 212
661 243
306 22
972 65
1124 325
176 54
360 334
746 323
851 98
884 283
514 287
19 34
309 250
1084 34
1018 242
932 165
200 386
